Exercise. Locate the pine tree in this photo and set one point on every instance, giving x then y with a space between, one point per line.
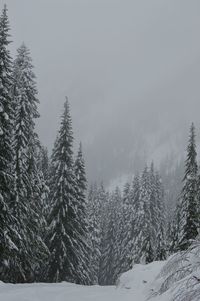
110 263
142 219
149 219
43 172
147 250
37 221
110 253
64 238
189 222
8 234
126 229
103 219
26 202
130 208
8 239
118 228
94 233
157 215
173 231
79 169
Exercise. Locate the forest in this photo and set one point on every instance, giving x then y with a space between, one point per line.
56 226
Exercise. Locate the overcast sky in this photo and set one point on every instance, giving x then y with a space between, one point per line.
131 70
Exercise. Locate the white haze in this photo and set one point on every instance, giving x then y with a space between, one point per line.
131 70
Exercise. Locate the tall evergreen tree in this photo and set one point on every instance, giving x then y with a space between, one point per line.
118 228
80 173
157 215
8 234
44 204
189 221
103 218
130 207
110 263
142 219
26 197
94 233
149 219
110 256
65 238
126 229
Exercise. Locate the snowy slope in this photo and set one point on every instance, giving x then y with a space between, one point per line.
133 286
177 279
62 292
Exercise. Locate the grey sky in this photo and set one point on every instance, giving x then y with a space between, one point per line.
131 70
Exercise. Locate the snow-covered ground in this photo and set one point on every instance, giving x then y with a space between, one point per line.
134 285
177 279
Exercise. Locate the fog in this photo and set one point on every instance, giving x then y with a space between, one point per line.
131 70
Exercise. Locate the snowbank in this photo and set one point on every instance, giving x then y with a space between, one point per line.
140 280
133 286
177 279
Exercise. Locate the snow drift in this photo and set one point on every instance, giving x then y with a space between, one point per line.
177 279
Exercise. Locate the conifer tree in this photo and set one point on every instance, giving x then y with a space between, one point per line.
26 202
80 174
157 215
65 238
118 228
102 213
110 253
188 209
142 219
6 112
130 208
43 172
149 220
126 229
94 233
7 234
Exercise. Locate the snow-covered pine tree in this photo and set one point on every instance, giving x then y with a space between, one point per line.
143 219
26 203
131 197
149 219
198 195
161 244
44 204
173 231
189 219
43 172
94 233
65 237
118 234
80 173
7 233
110 256
157 215
103 218
8 239
36 221
126 244
147 250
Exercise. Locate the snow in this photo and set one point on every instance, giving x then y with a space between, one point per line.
142 283
134 285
